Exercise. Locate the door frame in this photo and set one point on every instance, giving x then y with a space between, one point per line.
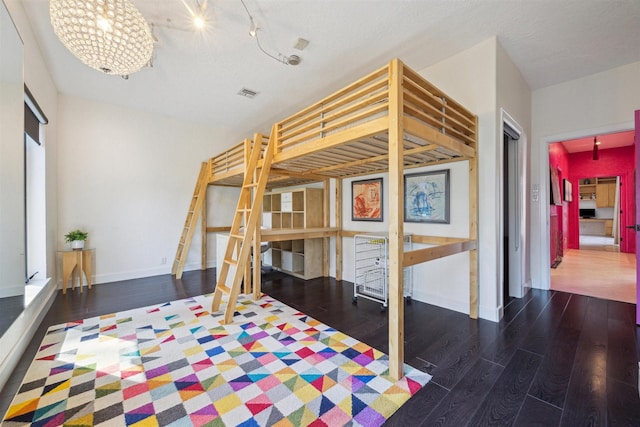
543 186
517 289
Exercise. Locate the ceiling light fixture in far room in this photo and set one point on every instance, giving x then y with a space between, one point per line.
111 36
596 143
253 32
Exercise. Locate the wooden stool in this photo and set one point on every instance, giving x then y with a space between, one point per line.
74 263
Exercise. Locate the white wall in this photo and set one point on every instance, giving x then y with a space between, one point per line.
127 177
16 339
470 78
443 282
600 103
513 98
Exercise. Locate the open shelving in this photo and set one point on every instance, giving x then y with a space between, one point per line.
295 209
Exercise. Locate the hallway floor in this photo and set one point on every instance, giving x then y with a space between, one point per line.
595 273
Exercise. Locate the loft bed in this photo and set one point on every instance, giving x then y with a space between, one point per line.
390 120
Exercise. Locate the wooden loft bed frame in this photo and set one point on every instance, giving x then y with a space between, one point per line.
390 120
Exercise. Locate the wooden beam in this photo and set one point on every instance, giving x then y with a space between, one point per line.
351 233
218 229
339 227
473 232
288 173
396 223
379 158
366 97
416 238
335 139
237 170
325 223
203 233
315 108
257 261
245 215
418 256
256 282
414 127
436 240
280 234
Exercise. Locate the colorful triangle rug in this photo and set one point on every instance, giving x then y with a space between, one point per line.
175 365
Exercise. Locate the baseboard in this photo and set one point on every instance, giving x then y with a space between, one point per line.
450 304
142 273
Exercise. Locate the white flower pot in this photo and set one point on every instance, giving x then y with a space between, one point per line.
77 245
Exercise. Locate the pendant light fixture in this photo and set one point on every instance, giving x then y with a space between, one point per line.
111 36
595 148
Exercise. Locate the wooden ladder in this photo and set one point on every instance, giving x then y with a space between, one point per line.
240 243
195 209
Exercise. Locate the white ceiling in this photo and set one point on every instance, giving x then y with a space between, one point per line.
196 77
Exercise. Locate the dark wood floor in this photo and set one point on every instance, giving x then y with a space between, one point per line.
556 359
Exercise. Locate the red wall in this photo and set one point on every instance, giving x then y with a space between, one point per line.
559 159
612 162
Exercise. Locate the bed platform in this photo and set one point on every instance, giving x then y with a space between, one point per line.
388 121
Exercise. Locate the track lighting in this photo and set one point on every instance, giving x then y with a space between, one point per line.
198 15
253 32
199 22
253 29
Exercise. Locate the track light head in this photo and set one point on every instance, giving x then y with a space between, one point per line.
292 60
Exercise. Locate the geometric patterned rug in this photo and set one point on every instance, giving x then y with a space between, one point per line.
174 364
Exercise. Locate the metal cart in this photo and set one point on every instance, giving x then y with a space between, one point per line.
371 261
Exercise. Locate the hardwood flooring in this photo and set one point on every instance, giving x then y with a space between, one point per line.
556 359
601 274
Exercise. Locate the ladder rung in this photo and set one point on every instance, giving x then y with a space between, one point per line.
251 184
237 236
231 261
222 288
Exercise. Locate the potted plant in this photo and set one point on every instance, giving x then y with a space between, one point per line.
76 238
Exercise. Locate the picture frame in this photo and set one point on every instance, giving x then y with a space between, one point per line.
366 200
554 185
426 197
568 190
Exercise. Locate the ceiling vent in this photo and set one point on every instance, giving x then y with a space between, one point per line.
247 93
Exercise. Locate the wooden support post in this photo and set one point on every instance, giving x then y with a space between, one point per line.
257 236
325 223
473 232
203 232
257 271
339 227
396 223
247 206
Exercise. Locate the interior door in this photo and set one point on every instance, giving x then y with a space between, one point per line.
637 216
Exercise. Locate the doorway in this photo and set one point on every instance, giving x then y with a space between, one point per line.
600 169
512 210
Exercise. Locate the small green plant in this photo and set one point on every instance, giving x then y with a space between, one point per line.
76 235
